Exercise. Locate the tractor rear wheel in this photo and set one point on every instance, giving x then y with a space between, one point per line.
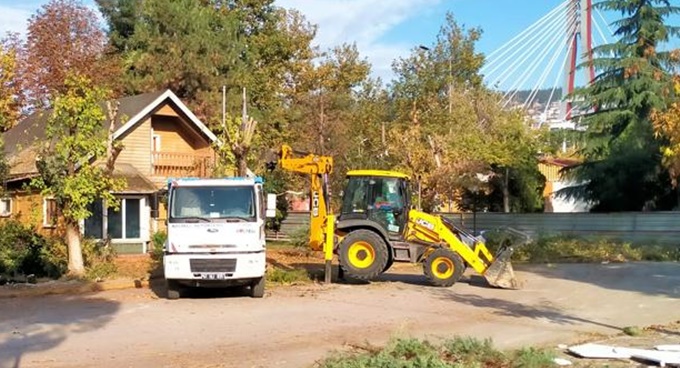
443 267
363 255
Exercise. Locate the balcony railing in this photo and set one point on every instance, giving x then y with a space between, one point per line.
168 164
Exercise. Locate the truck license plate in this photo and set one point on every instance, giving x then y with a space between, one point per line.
213 276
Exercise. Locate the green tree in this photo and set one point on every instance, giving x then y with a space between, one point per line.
434 113
197 48
121 16
77 160
326 112
622 169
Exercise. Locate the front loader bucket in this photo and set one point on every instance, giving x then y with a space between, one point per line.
501 274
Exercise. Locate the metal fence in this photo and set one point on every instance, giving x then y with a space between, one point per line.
637 227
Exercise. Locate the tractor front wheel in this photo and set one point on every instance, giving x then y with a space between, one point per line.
443 267
363 255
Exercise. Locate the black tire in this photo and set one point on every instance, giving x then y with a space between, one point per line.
173 290
257 288
443 267
389 264
363 255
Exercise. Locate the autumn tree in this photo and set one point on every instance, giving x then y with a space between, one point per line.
76 163
434 108
64 37
10 91
667 128
622 168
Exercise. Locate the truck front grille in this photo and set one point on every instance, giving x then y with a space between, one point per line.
212 265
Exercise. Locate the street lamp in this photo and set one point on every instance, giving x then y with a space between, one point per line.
425 48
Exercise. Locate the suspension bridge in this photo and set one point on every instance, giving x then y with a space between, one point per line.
538 67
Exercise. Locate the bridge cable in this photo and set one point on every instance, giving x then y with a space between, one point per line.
556 36
500 59
533 47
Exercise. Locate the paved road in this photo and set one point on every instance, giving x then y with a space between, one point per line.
295 326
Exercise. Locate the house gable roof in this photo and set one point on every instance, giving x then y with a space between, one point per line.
20 141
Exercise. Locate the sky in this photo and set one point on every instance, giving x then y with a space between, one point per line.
385 30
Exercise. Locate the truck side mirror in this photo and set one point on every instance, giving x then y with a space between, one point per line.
271 205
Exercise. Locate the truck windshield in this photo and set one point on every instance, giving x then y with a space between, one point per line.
237 202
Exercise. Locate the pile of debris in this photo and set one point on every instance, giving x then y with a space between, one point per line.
661 355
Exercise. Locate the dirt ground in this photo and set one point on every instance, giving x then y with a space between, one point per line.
295 326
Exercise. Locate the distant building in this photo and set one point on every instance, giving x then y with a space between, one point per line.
550 168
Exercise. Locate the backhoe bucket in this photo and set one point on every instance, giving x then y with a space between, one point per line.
501 274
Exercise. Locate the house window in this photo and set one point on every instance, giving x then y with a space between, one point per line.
124 223
49 212
5 207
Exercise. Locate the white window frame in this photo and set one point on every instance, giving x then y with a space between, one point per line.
142 218
45 223
9 206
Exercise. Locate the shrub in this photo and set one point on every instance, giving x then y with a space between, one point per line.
99 259
157 243
54 256
568 248
21 251
299 237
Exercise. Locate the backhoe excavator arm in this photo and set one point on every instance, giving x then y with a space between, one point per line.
318 168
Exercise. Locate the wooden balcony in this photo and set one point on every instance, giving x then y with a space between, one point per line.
172 164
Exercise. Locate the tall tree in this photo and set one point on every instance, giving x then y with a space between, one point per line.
667 127
64 37
325 108
10 90
121 16
77 161
622 170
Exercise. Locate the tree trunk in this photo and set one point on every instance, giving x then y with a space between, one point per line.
242 166
76 267
506 191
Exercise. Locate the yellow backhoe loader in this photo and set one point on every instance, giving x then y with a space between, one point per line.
377 225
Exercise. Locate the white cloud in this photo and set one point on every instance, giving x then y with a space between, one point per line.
362 22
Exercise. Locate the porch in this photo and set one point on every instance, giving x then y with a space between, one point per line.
174 164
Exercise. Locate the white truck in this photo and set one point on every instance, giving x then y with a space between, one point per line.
216 234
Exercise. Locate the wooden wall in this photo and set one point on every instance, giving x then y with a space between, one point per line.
137 147
28 209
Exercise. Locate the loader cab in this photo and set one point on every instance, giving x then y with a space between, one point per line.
381 197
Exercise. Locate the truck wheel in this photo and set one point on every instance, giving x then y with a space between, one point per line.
173 289
257 288
363 255
389 264
443 267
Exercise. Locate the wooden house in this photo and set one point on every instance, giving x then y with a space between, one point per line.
161 138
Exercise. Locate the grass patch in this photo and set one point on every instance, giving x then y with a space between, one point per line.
632 331
460 352
565 249
287 277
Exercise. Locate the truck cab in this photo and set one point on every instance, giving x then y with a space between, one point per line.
216 234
